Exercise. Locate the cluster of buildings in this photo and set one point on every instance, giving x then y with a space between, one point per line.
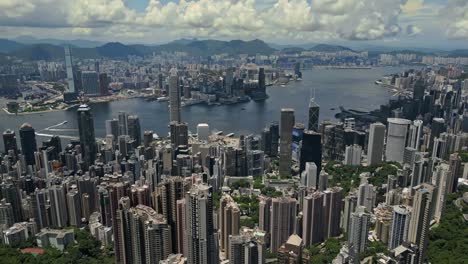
170 200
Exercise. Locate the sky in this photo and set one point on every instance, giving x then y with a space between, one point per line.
441 24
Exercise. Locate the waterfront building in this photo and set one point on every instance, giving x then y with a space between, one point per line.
174 96
86 132
287 124
90 82
28 143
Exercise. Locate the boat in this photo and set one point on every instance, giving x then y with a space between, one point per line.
378 82
162 99
230 135
219 133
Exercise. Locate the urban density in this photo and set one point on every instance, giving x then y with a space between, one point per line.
387 185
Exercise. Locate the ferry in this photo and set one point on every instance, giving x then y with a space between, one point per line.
230 135
378 82
219 133
162 99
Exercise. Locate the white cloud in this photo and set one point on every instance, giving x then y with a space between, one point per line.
455 15
291 19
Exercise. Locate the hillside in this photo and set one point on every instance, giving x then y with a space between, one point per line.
7 45
329 48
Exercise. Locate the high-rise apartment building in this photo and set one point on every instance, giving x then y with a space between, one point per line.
400 226
282 220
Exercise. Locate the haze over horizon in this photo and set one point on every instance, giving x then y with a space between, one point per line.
438 24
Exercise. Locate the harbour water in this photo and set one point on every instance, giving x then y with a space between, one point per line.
350 88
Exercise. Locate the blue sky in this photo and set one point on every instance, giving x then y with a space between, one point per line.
439 24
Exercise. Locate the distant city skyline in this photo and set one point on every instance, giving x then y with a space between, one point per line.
439 24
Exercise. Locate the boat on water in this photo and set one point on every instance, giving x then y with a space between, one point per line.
230 135
378 82
162 99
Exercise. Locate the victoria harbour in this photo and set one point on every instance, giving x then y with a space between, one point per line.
350 88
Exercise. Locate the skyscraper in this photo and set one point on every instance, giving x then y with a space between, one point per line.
70 74
311 150
74 207
353 155
103 84
396 139
200 237
90 82
312 224
282 221
58 206
420 220
358 232
229 221
261 81
28 143
9 141
332 211
228 82
179 134
400 226
314 111
287 124
134 129
375 146
174 96
86 131
112 128
123 123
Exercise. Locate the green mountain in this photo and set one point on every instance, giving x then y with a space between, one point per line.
7 45
329 48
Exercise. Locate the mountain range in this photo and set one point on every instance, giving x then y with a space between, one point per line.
52 49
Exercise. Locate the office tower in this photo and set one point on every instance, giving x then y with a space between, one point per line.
229 81
123 123
6 214
311 150
415 134
282 221
264 213
309 175
229 221
358 232
332 212
314 111
103 84
112 128
291 250
375 145
353 155
74 207
134 129
86 131
9 141
90 82
287 123
400 226
28 143
203 131
265 144
333 142
11 193
396 139
255 163
261 81
70 73
174 96
244 249
179 134
200 236
420 220
274 130
146 236
350 203
455 172
313 218
323 181
437 128
58 206
440 179
366 196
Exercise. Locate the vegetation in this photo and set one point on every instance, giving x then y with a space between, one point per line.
86 250
326 253
240 184
271 192
373 248
347 176
448 242
249 209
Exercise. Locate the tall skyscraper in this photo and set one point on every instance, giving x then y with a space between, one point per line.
103 84
228 82
282 221
311 150
90 82
400 226
261 81
229 221
134 129
287 124
146 236
420 220
203 131
375 146
9 141
358 232
11 193
200 236
74 207
174 96
274 131
396 139
123 123
112 128
314 111
332 211
28 143
86 131
70 73
350 203
58 206
310 175
313 218
366 196
353 155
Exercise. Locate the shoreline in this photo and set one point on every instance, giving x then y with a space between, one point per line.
38 112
